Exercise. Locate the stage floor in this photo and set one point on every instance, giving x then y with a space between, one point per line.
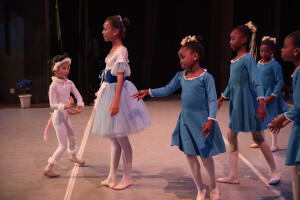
160 172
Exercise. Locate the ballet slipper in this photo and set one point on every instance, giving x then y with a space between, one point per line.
201 195
50 174
214 194
228 180
109 184
78 161
254 145
274 148
275 179
123 184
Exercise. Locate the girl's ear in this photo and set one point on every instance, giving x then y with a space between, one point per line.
116 31
297 51
195 56
244 39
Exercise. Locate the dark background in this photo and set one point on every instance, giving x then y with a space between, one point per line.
28 38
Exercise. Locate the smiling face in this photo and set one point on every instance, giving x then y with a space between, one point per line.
236 40
187 58
109 33
265 52
63 71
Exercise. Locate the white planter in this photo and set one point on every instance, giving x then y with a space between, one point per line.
25 100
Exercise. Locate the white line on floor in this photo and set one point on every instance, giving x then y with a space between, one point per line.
262 178
79 154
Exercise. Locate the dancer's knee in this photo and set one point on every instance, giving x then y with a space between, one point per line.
258 138
233 142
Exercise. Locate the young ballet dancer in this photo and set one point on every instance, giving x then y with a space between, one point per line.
117 115
246 106
197 133
291 52
272 80
61 102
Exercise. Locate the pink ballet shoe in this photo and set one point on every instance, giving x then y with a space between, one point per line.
123 184
78 161
274 148
214 194
275 179
108 184
50 174
201 195
254 145
228 180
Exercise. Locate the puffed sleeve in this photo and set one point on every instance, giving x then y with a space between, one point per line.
211 94
254 76
168 89
53 99
294 111
77 95
278 78
121 63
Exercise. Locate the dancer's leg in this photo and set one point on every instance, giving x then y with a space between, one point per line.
296 182
233 159
274 147
195 168
265 148
254 145
127 162
210 168
114 163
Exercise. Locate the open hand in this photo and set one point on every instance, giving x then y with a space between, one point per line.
269 99
277 124
114 108
207 127
261 111
140 94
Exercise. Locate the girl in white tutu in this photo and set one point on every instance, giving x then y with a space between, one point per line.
117 115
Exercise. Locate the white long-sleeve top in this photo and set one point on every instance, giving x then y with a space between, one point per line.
59 93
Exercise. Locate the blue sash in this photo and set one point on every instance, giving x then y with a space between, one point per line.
106 76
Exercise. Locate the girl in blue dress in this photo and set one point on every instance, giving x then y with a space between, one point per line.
291 52
272 80
246 106
116 114
197 133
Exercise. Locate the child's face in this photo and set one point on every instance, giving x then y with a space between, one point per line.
109 33
236 40
187 58
288 50
63 71
265 52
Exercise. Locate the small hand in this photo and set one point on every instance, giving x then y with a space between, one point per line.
269 99
75 111
114 108
277 124
140 94
207 127
220 101
261 111
71 101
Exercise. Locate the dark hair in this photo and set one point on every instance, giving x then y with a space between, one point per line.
269 43
196 47
295 38
245 31
56 59
120 23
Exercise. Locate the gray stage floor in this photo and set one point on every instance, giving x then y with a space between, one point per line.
160 172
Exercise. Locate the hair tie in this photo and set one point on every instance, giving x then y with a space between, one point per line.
252 45
268 38
121 22
57 64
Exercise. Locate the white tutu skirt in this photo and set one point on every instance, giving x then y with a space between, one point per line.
132 117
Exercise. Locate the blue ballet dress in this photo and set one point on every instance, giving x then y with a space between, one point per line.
272 81
196 93
293 149
243 89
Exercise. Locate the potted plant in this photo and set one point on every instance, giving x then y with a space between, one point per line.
24 87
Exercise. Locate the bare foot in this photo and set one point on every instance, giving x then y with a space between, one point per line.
123 184
50 174
228 180
275 178
109 183
201 195
254 145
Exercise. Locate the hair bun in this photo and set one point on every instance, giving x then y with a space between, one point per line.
199 39
126 21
